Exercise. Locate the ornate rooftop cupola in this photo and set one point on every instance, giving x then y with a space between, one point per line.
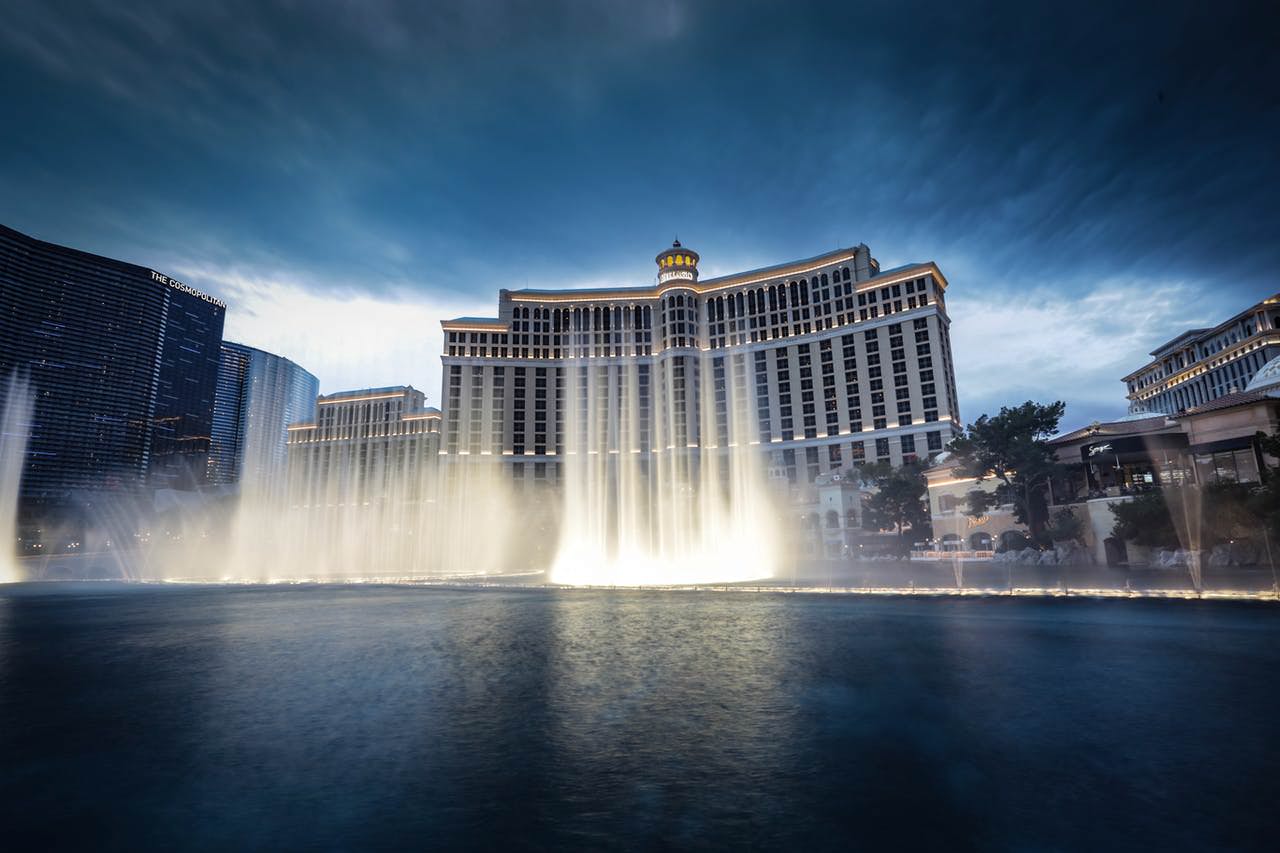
677 264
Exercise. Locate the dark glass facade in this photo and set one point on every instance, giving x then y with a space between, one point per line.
123 363
259 395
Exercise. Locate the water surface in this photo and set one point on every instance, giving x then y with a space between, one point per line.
140 717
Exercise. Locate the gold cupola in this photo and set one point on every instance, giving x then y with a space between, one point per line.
677 264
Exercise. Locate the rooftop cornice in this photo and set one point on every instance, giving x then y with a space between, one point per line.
723 283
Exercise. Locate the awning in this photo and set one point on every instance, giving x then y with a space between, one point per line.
1122 445
1244 442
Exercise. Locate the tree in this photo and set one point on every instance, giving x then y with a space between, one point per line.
1065 525
1012 447
900 501
1146 520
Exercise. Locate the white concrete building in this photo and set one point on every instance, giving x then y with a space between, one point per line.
364 446
823 363
1201 365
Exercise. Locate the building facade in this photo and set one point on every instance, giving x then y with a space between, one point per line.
1201 365
365 446
259 395
123 363
823 363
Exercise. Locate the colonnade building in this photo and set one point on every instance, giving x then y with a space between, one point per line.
1201 365
364 446
823 363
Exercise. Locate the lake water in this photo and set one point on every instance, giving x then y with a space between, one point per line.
161 717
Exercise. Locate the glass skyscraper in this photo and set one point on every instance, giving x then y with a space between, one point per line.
259 395
122 362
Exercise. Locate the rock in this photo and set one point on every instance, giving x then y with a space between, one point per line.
1072 553
1243 553
1220 557
1028 557
1048 558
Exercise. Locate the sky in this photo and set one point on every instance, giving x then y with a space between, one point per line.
1092 179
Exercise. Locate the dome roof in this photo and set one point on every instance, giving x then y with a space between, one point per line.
1267 377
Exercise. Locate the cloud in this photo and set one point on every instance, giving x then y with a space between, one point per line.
1049 345
349 338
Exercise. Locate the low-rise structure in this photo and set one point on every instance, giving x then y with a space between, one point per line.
369 445
1201 365
954 530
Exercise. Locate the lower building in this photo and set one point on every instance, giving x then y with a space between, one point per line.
1108 463
954 530
259 395
364 447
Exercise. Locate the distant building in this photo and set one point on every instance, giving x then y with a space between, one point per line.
123 362
1201 365
824 363
364 446
953 528
836 516
259 395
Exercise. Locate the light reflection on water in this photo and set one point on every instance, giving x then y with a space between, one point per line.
358 717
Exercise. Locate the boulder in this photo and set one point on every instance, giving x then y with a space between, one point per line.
1243 553
1072 553
1220 557
1048 558
1028 557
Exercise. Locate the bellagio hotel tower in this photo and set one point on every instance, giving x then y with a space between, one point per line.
824 364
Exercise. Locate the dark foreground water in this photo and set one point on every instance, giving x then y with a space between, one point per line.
360 718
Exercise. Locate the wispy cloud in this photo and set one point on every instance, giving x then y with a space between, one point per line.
1047 345
348 337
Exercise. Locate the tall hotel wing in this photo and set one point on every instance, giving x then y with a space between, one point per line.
666 393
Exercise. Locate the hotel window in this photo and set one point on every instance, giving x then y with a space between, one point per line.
882 448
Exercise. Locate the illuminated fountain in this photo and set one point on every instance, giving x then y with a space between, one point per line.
694 510
15 420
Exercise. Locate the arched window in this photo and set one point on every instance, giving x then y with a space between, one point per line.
773 297
833 519
844 273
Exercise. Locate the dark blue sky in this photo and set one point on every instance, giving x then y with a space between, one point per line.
1091 179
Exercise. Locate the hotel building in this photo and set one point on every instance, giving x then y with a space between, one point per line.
123 363
1201 365
824 363
364 446
259 395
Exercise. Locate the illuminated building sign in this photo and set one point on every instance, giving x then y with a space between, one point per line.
186 288
671 275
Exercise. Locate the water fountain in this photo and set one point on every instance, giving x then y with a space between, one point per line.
15 419
695 510
1186 507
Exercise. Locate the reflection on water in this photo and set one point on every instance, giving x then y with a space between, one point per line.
341 717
